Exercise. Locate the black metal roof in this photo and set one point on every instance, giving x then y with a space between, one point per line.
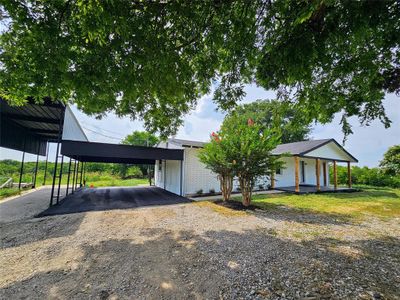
117 153
30 126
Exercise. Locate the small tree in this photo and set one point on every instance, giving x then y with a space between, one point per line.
391 161
251 144
216 156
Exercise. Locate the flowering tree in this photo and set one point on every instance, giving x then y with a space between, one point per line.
251 144
217 157
241 148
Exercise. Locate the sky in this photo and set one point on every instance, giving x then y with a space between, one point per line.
367 143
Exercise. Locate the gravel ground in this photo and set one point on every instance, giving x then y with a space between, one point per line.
201 251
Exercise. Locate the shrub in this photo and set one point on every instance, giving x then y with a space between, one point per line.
212 191
199 192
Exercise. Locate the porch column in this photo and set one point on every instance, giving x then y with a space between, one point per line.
317 165
349 174
296 174
334 175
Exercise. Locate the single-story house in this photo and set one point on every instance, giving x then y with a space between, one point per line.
306 169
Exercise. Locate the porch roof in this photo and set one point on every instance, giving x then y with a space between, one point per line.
313 149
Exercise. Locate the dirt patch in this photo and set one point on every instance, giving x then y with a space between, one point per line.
198 250
236 205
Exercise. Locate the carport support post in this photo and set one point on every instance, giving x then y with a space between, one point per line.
45 166
55 174
22 165
296 174
181 179
77 174
334 175
80 181
59 179
36 167
349 174
317 166
73 178
69 175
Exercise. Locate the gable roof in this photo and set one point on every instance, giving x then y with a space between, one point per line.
299 148
304 147
186 143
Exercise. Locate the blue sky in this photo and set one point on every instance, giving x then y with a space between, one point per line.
368 143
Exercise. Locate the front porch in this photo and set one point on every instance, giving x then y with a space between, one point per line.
310 189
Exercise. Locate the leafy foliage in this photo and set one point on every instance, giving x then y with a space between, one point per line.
366 176
152 60
140 138
241 148
391 161
219 158
251 143
289 122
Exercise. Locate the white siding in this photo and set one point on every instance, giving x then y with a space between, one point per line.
286 178
170 171
330 151
197 177
72 130
173 175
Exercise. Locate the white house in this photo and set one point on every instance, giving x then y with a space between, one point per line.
306 168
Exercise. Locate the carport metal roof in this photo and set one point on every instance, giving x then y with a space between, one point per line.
117 153
28 127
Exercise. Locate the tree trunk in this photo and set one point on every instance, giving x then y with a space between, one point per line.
246 188
226 184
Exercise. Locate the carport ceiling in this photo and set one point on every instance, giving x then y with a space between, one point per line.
29 127
114 153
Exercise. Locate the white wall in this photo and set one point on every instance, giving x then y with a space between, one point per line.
196 175
171 170
331 151
72 130
173 176
286 178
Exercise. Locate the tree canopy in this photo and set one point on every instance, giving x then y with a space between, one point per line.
391 161
291 124
141 138
153 60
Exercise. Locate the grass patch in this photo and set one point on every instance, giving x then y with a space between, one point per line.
8 192
113 181
378 202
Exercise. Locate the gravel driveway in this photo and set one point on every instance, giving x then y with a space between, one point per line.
199 251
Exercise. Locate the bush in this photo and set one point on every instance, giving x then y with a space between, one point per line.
212 191
367 176
199 192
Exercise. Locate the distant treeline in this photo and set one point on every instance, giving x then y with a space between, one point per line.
11 168
367 176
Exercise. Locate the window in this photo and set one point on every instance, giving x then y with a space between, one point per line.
278 171
159 165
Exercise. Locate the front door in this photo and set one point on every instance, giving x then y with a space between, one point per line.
302 171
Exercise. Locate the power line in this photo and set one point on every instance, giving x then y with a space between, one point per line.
98 128
107 136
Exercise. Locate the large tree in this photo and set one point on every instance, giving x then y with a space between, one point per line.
391 161
153 59
292 124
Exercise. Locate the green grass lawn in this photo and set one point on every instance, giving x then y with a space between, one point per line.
95 179
379 202
8 192
116 182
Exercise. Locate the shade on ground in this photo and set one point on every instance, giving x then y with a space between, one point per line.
98 199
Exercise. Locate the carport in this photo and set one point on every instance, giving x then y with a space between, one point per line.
31 127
